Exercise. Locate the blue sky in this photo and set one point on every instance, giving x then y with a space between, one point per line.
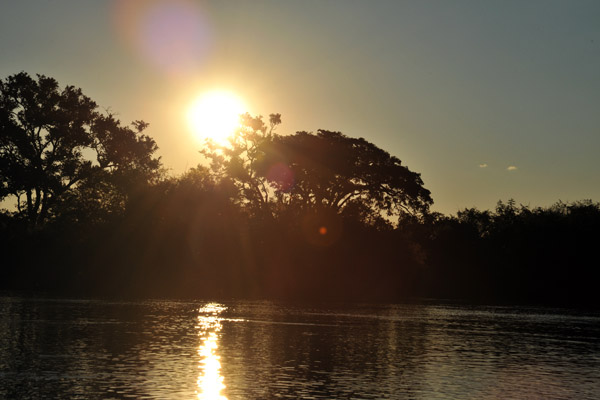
458 90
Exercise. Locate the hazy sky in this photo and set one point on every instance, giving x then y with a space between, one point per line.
488 100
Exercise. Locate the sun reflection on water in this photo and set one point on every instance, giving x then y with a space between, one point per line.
210 381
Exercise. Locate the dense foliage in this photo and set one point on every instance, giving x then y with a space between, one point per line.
56 149
308 216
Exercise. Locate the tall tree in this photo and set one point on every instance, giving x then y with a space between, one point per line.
331 170
239 161
326 170
54 143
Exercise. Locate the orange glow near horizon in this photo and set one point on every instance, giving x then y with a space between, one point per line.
215 115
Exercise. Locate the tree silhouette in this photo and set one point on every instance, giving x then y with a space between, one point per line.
56 147
238 162
330 170
322 171
301 216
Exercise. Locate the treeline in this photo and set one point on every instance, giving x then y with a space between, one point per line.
516 254
184 239
307 216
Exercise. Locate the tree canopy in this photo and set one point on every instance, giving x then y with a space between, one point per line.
54 142
311 171
329 169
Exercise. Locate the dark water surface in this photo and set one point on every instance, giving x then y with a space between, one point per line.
93 349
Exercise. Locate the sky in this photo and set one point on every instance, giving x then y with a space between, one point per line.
488 100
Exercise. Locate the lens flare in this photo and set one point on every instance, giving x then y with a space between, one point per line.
322 228
173 36
282 176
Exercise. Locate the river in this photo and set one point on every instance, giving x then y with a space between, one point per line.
96 349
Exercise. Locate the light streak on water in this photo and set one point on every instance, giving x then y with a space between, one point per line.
210 380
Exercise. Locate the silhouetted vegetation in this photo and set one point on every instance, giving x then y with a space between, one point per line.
517 254
303 216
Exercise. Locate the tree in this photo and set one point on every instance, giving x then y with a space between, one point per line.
237 164
331 170
322 171
55 144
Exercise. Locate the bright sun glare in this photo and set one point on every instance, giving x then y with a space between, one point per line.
215 115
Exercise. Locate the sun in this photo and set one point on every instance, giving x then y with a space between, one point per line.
215 115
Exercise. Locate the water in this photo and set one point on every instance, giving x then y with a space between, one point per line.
259 350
